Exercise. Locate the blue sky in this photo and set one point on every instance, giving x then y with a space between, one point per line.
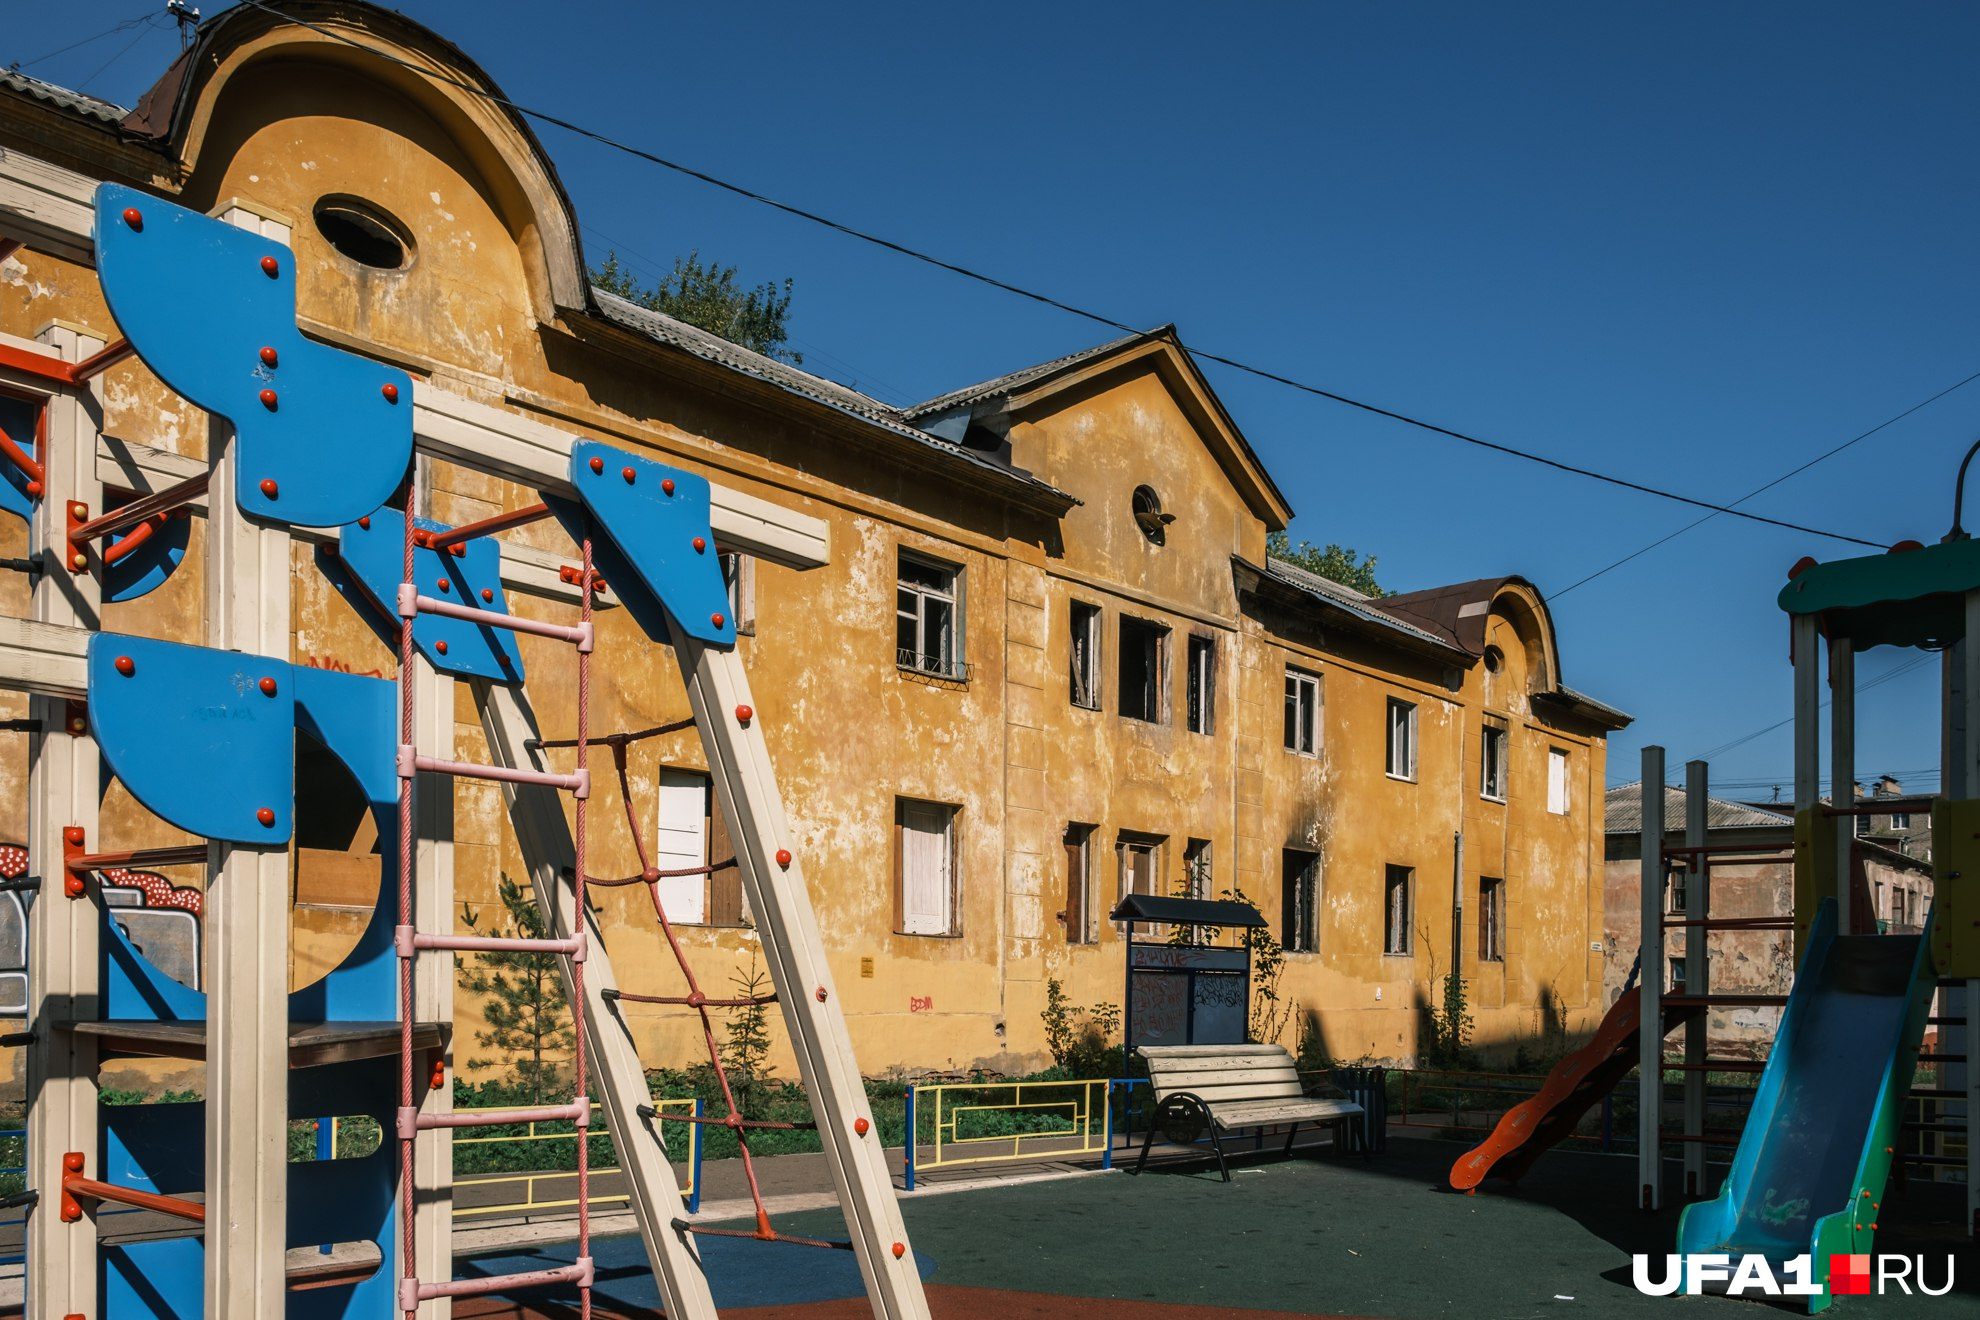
1691 245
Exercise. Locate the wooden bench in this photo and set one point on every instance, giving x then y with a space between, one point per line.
1227 1088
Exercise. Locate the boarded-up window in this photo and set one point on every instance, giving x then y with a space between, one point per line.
1300 898
1079 884
1396 905
690 834
925 858
1557 781
1140 862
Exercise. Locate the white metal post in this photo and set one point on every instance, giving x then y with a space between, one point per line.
248 576
1697 977
1650 989
1842 775
64 934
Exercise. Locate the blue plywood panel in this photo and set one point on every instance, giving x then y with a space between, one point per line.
346 1200
163 1280
211 309
20 419
136 991
146 568
373 554
654 515
192 734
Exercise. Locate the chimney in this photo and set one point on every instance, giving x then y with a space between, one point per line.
1888 786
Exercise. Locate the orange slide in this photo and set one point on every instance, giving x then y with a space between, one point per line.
1578 1081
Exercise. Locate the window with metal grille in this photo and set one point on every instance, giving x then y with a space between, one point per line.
928 618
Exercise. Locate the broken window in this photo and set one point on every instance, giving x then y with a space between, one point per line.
1086 655
1491 920
1300 900
925 867
1144 666
1494 757
1202 684
1402 740
1302 712
928 625
1396 904
1140 861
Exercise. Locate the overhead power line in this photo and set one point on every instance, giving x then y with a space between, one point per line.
1047 300
1882 678
1865 435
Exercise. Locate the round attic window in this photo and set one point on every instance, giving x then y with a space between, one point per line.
1148 514
367 234
1495 659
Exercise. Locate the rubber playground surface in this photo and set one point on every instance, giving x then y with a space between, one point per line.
1315 1235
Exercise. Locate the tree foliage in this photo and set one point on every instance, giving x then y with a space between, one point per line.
526 1012
708 296
1335 562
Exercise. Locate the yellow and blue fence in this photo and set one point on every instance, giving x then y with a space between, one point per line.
534 1197
976 1123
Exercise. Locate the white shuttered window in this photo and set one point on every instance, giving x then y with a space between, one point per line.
1557 781
927 860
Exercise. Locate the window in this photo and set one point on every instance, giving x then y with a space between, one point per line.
1202 684
1140 860
1078 915
739 576
1302 713
1878 906
1395 927
1494 758
1148 515
1195 884
690 833
1491 920
1900 820
925 867
1299 888
1679 898
1086 655
1144 670
928 626
364 232
1913 901
1557 781
1677 974
1402 740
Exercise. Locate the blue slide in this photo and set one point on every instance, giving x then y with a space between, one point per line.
1818 1143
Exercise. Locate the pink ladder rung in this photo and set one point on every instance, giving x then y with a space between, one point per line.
412 603
410 762
412 1292
409 940
411 1120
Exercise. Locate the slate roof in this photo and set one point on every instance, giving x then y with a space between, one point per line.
1622 812
1017 380
661 328
62 97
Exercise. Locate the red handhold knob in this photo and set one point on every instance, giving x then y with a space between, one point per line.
365 523
134 218
820 992
269 357
860 1125
699 545
667 485
267 687
445 585
597 465
744 714
439 1078
78 724
784 857
268 399
72 834
269 488
270 267
266 815
390 391
126 666
34 489
441 647
716 619
900 1250
487 594
628 474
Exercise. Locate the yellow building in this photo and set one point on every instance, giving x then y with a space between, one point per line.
1048 662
